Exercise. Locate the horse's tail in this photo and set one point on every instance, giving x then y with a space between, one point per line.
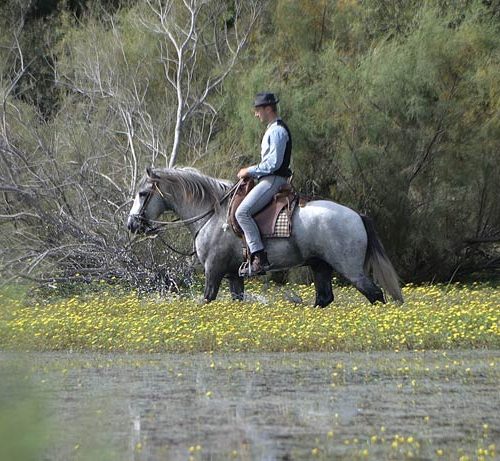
377 262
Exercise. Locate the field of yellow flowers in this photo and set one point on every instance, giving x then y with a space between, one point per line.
433 317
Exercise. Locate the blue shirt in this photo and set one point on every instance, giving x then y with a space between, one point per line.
272 151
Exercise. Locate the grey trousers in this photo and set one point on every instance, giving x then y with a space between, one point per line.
257 199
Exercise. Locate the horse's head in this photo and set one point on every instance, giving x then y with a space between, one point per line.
149 203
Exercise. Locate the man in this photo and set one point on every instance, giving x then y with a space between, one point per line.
272 172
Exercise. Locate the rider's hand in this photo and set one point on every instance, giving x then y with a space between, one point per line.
243 173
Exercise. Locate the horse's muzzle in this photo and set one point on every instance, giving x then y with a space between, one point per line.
135 224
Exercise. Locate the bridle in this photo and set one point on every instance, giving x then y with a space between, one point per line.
145 203
154 230
178 223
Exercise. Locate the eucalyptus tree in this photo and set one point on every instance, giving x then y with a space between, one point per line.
200 42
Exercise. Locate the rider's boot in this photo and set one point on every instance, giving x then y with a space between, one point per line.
258 266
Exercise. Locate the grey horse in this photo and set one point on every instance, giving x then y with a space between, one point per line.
326 236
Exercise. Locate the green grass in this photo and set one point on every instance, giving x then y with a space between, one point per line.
108 318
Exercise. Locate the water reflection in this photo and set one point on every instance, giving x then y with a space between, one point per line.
245 406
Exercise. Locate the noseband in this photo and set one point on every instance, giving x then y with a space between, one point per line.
194 219
148 198
160 224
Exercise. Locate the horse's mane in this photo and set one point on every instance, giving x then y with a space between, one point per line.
193 185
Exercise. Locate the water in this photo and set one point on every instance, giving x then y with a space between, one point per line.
256 406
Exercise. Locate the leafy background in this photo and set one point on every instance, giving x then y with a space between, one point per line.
394 110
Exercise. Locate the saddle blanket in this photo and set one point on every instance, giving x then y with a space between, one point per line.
282 226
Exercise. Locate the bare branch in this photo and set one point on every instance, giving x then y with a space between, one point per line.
19 215
184 28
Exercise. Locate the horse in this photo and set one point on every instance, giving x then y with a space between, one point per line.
326 236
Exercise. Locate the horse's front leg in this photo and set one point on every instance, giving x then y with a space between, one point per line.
322 274
213 279
237 287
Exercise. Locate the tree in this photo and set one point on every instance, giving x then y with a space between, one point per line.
394 111
67 179
417 117
398 120
193 33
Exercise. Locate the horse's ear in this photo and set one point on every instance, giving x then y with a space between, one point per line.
151 174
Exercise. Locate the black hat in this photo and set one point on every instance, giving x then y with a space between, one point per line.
265 99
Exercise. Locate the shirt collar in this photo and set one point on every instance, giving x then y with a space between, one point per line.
273 122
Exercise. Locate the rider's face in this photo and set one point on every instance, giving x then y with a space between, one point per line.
262 113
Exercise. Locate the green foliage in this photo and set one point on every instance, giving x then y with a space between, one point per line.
396 115
393 107
415 145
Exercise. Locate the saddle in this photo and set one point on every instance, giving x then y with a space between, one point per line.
275 219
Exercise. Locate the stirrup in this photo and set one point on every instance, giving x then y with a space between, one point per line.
245 269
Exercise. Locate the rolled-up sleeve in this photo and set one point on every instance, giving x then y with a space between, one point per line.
273 152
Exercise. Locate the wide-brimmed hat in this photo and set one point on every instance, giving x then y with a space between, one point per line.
265 99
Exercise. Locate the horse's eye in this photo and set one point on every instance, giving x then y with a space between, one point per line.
143 193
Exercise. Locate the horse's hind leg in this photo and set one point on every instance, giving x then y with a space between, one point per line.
322 276
366 286
237 287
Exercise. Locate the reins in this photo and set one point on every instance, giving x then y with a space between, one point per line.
160 225
194 219
171 248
